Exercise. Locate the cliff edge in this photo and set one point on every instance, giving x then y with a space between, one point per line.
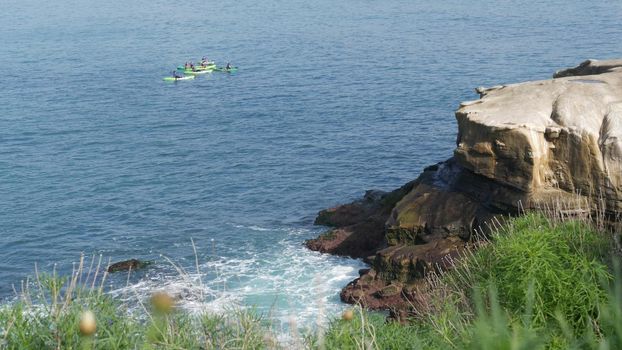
523 145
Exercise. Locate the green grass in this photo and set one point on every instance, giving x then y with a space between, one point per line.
547 268
490 328
48 316
537 284
367 331
24 326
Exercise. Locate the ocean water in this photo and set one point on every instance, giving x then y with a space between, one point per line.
99 156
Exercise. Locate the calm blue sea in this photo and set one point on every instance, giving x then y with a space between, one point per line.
99 156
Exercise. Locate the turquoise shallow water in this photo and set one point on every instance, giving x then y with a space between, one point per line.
99 156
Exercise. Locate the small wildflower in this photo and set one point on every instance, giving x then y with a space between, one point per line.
87 325
162 302
348 315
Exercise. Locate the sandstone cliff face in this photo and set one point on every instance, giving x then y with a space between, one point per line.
549 138
529 143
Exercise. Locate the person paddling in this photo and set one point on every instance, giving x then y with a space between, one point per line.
176 75
228 67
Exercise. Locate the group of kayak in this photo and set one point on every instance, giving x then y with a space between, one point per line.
189 70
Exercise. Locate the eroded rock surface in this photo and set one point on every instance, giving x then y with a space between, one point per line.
429 226
550 138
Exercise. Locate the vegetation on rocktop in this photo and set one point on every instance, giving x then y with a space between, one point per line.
536 284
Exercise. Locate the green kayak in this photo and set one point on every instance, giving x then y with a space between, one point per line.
189 77
204 71
211 66
223 69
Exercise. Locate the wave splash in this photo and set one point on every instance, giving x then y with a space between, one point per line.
290 285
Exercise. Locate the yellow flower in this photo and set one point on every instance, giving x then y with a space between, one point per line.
162 302
87 325
348 315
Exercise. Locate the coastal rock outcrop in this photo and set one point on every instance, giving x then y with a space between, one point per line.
359 226
551 138
519 146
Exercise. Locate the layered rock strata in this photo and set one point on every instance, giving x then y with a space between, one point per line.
524 145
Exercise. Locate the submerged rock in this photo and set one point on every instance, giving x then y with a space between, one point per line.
519 146
126 265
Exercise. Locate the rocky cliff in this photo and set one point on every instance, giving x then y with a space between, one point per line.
526 145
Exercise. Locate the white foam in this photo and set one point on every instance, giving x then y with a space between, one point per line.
253 228
287 283
191 295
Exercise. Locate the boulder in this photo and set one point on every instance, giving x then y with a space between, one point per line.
356 241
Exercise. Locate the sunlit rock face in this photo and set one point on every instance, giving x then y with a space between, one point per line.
549 138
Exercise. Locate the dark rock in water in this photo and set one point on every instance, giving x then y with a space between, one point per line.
358 226
127 265
356 241
363 271
405 234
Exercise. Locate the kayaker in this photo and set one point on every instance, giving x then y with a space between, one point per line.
228 67
176 75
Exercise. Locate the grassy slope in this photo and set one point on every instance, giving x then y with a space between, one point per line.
537 285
